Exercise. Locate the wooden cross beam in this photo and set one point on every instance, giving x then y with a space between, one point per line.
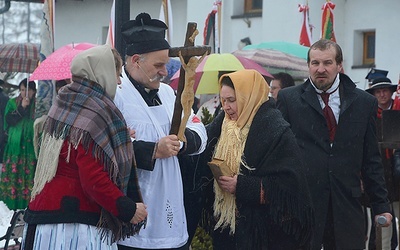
187 51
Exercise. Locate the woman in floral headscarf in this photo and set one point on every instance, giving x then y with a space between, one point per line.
263 203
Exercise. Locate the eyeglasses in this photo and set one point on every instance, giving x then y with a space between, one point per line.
275 87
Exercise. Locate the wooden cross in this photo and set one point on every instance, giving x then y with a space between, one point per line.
187 51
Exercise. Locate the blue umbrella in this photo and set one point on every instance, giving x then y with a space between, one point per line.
172 67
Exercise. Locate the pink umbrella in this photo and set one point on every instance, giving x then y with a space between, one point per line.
207 72
57 65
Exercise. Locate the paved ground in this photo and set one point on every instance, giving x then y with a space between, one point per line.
13 247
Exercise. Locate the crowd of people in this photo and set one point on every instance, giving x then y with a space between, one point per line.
280 166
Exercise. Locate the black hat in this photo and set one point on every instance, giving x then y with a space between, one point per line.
144 35
376 73
380 83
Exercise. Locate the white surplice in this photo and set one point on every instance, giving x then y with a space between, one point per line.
161 188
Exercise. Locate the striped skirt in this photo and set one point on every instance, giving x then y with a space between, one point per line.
68 236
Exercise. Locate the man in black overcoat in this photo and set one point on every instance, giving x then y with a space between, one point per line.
337 137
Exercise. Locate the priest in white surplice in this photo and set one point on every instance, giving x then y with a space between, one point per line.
147 106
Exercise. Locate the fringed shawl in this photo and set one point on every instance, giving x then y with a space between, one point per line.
84 114
272 151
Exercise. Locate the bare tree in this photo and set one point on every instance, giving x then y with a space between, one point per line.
21 23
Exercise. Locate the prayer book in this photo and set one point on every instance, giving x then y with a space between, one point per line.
219 168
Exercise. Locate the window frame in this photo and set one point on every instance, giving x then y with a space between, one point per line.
366 36
248 7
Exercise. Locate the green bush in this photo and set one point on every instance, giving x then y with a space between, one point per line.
201 240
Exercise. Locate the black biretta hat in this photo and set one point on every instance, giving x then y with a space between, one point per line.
380 83
144 35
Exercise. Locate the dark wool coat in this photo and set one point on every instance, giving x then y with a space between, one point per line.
337 171
392 183
272 151
3 102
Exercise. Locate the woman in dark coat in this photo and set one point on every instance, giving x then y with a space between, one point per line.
264 202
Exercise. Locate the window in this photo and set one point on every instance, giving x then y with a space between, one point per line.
369 48
251 6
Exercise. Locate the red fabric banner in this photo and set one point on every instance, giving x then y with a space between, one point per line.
396 104
212 27
306 28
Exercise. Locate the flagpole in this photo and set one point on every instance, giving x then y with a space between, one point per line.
166 17
111 27
219 25
122 15
27 86
45 93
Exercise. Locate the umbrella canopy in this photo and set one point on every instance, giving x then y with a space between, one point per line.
285 47
275 61
208 70
57 65
19 57
172 66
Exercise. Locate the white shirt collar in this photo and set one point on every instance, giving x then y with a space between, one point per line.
331 89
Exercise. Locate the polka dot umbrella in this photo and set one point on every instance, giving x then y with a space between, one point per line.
57 65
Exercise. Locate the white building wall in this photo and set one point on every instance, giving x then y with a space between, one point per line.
281 21
85 21
80 21
383 17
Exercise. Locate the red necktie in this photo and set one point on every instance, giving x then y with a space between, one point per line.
329 116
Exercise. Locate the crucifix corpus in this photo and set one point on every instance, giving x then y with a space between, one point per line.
185 93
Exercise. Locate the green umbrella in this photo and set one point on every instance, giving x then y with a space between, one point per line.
285 47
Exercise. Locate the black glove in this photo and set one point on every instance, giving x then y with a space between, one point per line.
396 163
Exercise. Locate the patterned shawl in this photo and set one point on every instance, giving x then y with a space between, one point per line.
85 114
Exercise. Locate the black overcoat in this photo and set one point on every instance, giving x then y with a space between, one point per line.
337 171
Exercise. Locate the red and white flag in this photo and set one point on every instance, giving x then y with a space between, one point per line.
166 17
396 104
212 28
306 27
111 27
